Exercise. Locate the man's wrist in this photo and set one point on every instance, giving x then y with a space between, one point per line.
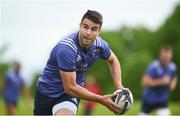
99 99
119 86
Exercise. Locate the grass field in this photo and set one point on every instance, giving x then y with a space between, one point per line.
100 110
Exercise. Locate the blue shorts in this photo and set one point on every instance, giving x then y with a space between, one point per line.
148 107
43 104
10 102
10 99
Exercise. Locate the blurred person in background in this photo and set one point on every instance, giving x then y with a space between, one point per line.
158 79
13 87
92 86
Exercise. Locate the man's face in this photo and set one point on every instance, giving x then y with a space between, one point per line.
17 68
88 33
165 56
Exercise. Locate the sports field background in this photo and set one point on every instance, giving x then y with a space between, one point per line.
100 110
135 47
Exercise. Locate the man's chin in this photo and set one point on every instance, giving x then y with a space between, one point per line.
86 45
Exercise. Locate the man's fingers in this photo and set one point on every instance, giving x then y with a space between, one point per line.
113 95
114 108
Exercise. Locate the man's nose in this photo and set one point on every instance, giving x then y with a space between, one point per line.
89 31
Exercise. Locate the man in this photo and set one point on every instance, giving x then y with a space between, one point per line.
159 78
59 88
13 87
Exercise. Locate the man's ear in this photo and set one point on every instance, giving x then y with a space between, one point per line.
100 30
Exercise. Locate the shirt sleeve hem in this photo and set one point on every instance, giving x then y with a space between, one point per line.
67 70
107 56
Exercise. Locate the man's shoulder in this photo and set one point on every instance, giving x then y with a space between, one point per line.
10 74
99 42
172 66
154 64
68 42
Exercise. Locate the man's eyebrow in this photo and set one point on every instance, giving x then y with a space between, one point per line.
95 27
85 24
90 26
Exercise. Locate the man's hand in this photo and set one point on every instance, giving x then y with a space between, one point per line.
165 80
107 101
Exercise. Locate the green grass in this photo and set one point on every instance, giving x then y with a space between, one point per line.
99 110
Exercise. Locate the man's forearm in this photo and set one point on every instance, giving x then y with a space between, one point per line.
149 82
173 83
152 83
115 70
82 93
75 90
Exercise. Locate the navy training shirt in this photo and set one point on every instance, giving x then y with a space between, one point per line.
14 84
68 56
157 71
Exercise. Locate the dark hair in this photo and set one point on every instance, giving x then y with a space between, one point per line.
94 16
166 47
16 63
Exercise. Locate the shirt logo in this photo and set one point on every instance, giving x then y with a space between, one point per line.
85 65
79 58
96 53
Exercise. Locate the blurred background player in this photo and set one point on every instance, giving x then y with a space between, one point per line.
158 79
13 87
92 86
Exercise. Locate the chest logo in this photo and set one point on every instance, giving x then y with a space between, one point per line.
96 53
79 58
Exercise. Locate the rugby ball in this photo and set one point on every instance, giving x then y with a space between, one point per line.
124 99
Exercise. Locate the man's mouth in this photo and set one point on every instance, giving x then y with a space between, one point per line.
86 38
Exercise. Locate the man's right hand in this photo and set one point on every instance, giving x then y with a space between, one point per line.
107 101
165 80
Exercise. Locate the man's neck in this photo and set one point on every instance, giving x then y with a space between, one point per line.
164 64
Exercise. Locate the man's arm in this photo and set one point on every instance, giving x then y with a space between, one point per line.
173 83
115 70
148 81
75 90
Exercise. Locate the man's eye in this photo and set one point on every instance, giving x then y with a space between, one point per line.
94 29
85 27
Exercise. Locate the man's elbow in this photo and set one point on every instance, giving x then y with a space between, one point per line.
69 90
146 81
143 84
